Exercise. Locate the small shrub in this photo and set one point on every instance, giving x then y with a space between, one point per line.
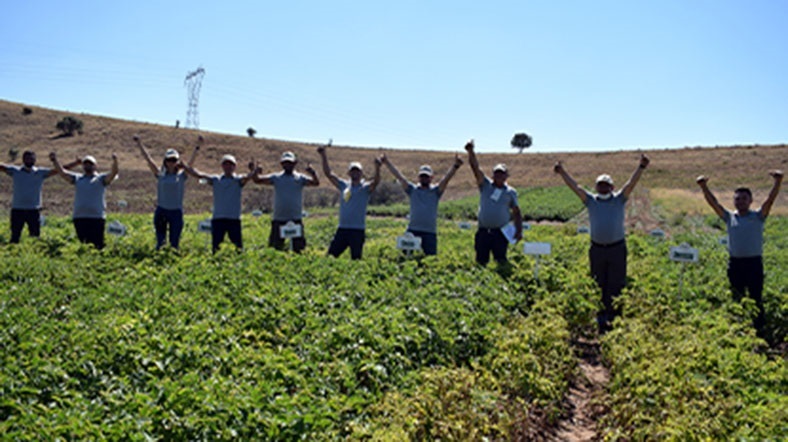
69 125
251 132
27 111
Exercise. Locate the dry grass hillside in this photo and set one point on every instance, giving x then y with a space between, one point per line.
670 178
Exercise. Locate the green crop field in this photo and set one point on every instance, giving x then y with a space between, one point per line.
129 343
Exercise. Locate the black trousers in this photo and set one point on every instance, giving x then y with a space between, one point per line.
609 270
277 242
222 226
20 217
490 240
90 231
347 238
746 276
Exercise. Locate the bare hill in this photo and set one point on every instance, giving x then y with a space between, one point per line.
671 169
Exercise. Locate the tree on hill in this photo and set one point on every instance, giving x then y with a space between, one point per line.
251 132
68 125
521 141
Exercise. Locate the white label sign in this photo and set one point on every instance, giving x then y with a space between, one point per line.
42 220
526 226
204 226
116 228
464 225
537 248
657 233
290 230
723 240
257 213
123 204
684 253
409 241
583 229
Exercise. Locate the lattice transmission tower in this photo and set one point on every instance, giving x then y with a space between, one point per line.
193 83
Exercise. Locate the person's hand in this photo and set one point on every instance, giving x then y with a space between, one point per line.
518 235
469 146
383 159
321 150
457 161
644 161
114 157
702 180
53 156
200 140
310 169
776 174
252 166
378 162
558 167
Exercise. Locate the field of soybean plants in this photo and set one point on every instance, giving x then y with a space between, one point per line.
129 343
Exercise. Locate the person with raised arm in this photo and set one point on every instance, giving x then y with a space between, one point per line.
171 182
745 241
226 218
498 206
288 199
28 181
90 205
608 251
424 197
354 196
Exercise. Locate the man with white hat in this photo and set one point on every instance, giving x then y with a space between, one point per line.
26 201
89 215
352 206
497 206
227 188
608 252
424 197
288 199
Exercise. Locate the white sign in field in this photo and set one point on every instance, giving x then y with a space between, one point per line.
657 233
583 229
290 230
204 226
257 213
537 248
723 240
116 228
464 225
684 253
409 242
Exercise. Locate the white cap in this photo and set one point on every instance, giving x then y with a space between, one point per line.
425 170
89 159
604 178
171 153
288 156
355 165
502 167
229 158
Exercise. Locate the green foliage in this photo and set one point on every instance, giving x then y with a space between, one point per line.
251 132
69 125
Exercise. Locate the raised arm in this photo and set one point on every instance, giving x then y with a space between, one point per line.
570 182
376 177
312 180
196 151
68 176
151 164
254 170
474 162
326 168
113 172
194 172
394 171
710 198
444 182
767 205
633 180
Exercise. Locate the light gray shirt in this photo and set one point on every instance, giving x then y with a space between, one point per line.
170 190
226 196
495 204
423 208
606 217
288 195
745 233
353 204
27 186
89 192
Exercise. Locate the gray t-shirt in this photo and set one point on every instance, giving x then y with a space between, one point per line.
423 208
170 190
745 233
494 204
353 204
226 196
89 199
606 217
288 195
27 186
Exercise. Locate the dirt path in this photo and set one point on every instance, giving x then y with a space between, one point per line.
586 399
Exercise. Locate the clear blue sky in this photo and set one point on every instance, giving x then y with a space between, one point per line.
576 75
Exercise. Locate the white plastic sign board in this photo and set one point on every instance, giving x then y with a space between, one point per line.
583 229
537 248
116 228
684 253
464 225
409 242
658 233
723 240
526 226
290 230
257 213
123 204
204 226
42 220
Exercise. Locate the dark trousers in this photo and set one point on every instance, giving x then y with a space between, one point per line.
429 241
232 227
20 217
162 218
490 240
746 275
277 242
90 231
347 238
609 270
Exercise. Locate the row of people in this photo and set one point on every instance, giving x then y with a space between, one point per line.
498 206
